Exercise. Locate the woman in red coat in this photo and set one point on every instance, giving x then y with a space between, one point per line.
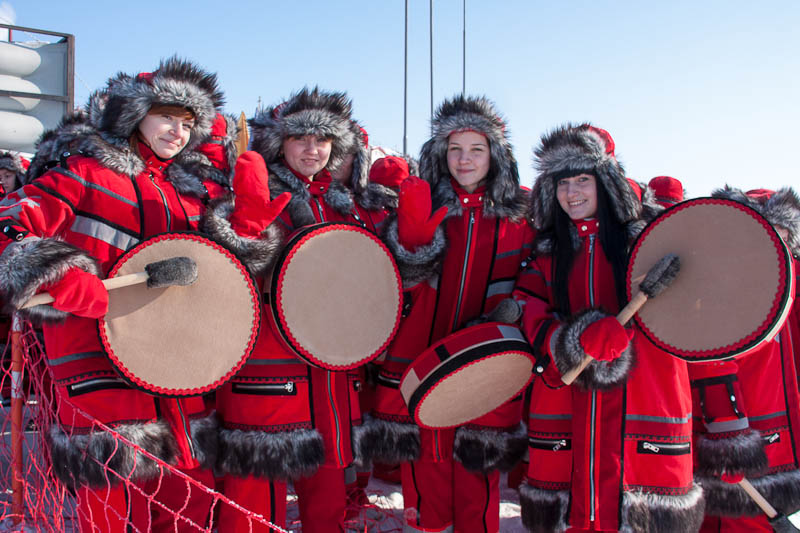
612 451
135 173
454 270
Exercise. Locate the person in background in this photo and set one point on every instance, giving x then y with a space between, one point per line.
12 172
668 190
611 451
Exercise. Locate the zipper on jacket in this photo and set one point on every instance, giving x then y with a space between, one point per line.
319 210
335 418
164 200
663 448
594 392
772 439
266 389
186 429
555 445
464 269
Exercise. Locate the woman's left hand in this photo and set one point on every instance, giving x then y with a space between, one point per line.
253 210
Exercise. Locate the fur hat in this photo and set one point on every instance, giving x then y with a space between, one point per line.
780 208
307 112
117 110
575 149
15 163
504 197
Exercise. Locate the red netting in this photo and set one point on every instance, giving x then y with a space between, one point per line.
172 501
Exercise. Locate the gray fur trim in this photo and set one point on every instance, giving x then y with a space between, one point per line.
282 455
781 490
127 99
67 136
84 459
307 112
578 149
504 198
650 206
205 440
12 161
385 442
33 263
190 169
484 449
741 453
258 254
569 353
376 196
281 180
543 511
661 513
421 264
543 242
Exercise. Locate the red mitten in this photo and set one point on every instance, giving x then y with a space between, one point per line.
731 478
80 293
605 339
253 211
415 224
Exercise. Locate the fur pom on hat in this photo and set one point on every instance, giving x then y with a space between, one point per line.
120 107
307 112
16 164
575 149
503 198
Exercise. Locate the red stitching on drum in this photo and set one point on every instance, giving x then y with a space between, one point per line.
292 341
433 387
253 332
751 340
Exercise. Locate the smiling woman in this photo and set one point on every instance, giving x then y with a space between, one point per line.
577 196
165 129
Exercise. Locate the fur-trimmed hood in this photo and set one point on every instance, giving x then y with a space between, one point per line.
307 112
780 208
504 198
575 149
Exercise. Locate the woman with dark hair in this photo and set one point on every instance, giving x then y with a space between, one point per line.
12 172
612 451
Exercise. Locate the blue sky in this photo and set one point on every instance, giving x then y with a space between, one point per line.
703 91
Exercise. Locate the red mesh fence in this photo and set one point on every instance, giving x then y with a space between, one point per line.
167 503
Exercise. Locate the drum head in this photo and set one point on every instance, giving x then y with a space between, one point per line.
734 287
336 296
467 375
182 340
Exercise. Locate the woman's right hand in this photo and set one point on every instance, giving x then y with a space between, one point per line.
80 293
253 211
415 223
605 339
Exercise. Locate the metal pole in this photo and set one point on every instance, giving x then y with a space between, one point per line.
431 54
405 87
17 398
464 51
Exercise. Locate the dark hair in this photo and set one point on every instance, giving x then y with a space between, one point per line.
613 242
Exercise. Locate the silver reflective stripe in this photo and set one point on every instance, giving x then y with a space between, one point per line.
500 287
74 357
510 332
195 218
767 417
350 474
103 232
730 425
509 253
96 187
14 210
659 419
11 201
538 416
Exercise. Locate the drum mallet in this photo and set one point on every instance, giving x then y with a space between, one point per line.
778 521
164 273
658 278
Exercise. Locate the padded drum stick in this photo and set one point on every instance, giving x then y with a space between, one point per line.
164 273
658 278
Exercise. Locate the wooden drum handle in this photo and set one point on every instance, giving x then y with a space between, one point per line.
758 498
110 284
626 314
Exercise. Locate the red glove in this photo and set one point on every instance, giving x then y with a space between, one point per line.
253 211
731 478
605 339
415 224
80 293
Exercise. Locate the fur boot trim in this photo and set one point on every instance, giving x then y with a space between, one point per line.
661 513
543 511
281 180
421 264
13 161
282 455
575 149
258 254
385 442
84 459
205 440
568 354
307 112
740 453
781 490
504 198
483 449
33 263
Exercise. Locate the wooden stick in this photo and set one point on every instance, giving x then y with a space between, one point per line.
244 135
626 314
758 498
110 284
